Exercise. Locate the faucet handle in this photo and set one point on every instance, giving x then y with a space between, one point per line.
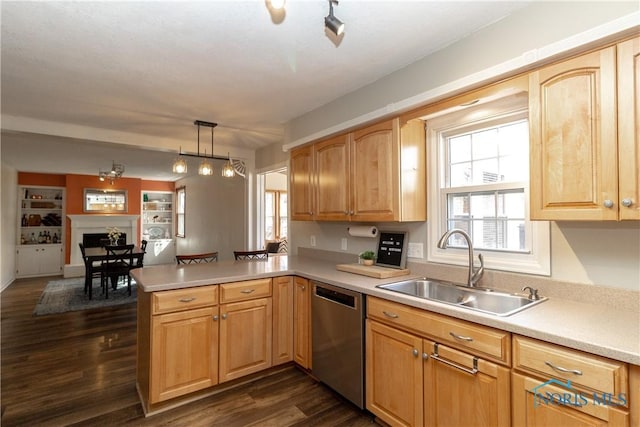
533 293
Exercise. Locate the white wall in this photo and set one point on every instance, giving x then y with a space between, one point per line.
216 214
589 253
8 222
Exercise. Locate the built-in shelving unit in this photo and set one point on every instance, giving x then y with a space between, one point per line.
157 227
41 231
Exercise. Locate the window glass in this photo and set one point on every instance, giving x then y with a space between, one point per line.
181 202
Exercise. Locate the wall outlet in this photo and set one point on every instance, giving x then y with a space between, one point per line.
415 250
343 244
312 241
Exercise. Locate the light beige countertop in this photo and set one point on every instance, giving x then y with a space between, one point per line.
605 330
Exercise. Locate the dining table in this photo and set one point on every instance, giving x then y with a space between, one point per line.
99 255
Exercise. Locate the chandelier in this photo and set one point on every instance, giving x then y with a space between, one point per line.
116 172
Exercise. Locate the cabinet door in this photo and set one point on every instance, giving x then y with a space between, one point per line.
457 394
574 168
374 173
282 320
50 258
184 353
27 261
393 375
332 179
301 184
245 338
628 128
531 407
302 322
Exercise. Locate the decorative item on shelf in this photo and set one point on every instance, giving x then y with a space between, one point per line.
114 235
368 257
116 172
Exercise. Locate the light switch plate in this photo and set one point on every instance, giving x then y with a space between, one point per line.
312 241
343 244
416 250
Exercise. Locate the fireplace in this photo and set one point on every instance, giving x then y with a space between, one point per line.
96 224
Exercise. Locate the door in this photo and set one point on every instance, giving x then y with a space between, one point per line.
184 353
461 390
301 183
245 338
393 375
282 320
332 179
374 172
628 122
574 168
531 410
302 322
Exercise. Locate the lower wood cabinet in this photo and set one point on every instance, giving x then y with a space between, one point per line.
302 322
282 320
245 338
184 353
413 381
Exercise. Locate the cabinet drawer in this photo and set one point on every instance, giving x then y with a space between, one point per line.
585 370
184 299
249 289
479 340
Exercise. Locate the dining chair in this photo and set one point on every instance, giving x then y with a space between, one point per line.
250 255
118 262
92 270
140 258
197 258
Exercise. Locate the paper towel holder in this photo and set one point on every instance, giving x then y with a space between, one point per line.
363 231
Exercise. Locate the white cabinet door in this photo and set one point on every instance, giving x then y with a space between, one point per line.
39 260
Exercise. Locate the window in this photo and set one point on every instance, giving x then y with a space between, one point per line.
480 171
181 199
275 206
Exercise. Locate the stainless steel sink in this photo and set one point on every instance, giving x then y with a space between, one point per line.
479 299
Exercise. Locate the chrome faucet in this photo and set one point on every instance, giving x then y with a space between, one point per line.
474 274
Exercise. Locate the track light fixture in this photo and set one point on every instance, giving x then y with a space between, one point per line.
331 22
205 168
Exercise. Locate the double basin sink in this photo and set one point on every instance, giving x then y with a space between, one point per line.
479 299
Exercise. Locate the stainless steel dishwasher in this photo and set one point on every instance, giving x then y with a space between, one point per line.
337 340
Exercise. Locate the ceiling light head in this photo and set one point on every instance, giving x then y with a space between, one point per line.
227 169
277 4
180 166
205 168
331 22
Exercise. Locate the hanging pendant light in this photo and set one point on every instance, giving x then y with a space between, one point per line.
205 168
180 164
227 169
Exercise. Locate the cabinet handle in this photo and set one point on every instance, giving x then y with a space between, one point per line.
607 203
187 299
224 316
626 203
215 318
415 352
461 337
391 315
247 291
436 356
302 287
561 369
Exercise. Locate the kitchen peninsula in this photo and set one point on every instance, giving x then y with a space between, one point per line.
187 298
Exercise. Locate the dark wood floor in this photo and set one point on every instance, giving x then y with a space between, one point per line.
78 369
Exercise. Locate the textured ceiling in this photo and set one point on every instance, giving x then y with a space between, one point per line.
140 73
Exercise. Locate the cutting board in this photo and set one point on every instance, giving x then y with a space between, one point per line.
372 270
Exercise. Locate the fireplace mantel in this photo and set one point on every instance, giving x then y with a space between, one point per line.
96 223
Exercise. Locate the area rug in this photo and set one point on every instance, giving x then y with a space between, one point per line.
64 295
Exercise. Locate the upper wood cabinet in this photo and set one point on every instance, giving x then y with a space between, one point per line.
584 156
373 174
301 185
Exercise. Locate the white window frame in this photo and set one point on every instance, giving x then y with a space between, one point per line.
537 260
181 210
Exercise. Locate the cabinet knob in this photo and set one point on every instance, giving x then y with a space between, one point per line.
215 318
224 316
351 213
607 203
425 356
415 352
626 202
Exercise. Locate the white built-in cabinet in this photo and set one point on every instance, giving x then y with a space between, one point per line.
157 227
40 236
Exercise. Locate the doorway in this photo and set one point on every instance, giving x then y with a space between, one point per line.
274 211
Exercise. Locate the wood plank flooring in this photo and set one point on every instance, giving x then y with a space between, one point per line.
78 369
